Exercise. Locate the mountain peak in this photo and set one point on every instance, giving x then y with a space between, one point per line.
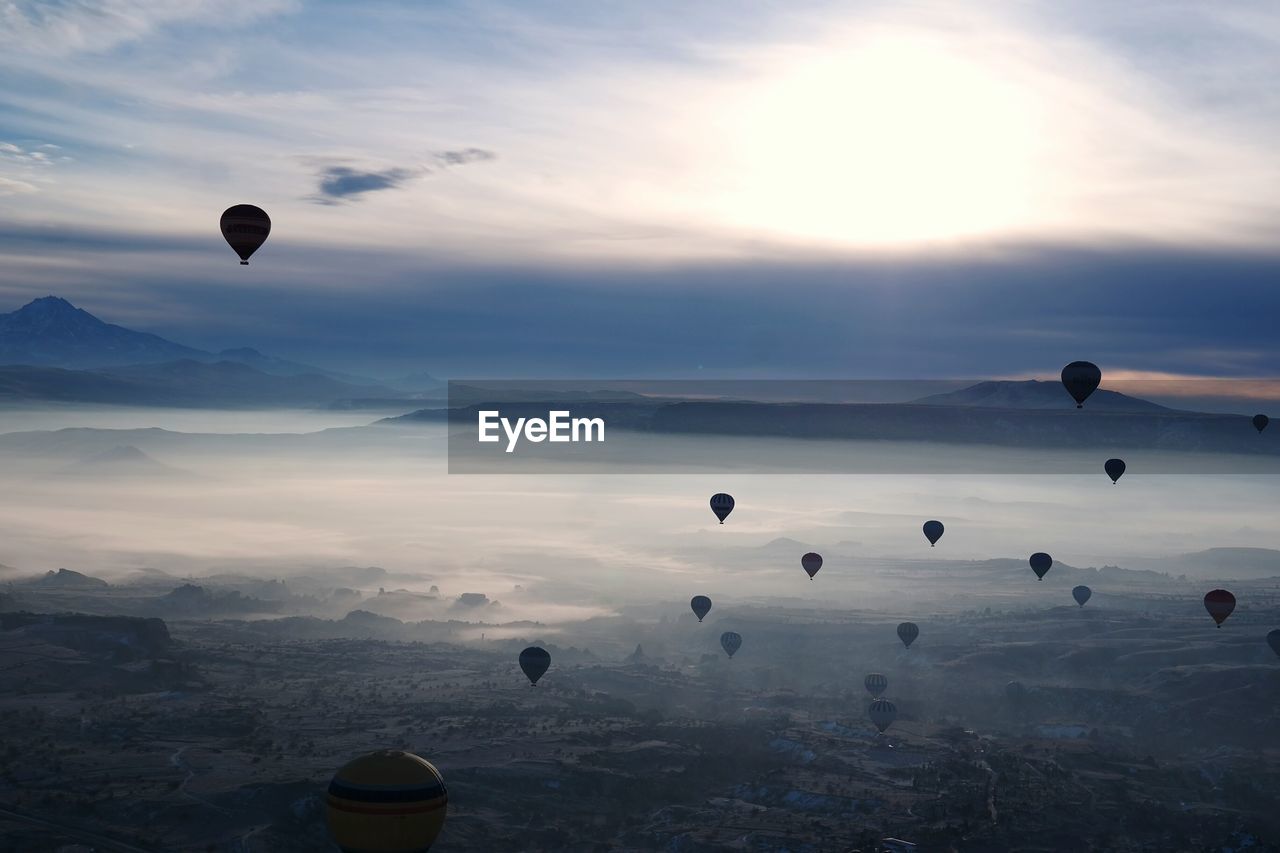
50 331
48 302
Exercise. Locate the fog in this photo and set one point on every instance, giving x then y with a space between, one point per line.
199 500
324 588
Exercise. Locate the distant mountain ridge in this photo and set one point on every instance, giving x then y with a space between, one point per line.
51 332
1034 394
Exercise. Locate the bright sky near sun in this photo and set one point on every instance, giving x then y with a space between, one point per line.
647 131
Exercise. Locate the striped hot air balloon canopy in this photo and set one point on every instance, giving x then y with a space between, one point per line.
386 802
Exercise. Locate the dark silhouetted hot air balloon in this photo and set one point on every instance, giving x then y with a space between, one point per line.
1260 422
811 562
1081 378
1081 594
876 684
388 801
933 532
907 633
1041 563
1014 691
730 642
1114 468
1219 603
700 605
245 228
535 662
722 505
1273 640
882 713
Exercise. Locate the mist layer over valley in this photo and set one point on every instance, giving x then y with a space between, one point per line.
311 584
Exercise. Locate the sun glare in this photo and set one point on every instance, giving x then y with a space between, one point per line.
887 142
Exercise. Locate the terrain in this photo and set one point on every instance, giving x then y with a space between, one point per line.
221 735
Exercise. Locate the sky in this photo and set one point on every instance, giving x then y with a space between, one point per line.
744 189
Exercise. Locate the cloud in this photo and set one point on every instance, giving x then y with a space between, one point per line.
464 156
8 186
62 27
21 170
339 182
342 182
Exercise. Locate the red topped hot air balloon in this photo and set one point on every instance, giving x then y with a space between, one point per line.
1219 603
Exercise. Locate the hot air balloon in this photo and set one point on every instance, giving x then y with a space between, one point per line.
811 562
907 632
730 642
1081 594
1219 603
388 801
1260 422
933 532
535 661
700 605
882 713
245 228
1081 378
1014 691
722 505
1041 563
1114 468
876 684
1273 640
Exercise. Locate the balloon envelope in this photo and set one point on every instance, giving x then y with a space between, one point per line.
730 642
907 632
1219 603
1041 563
386 800
933 532
876 684
882 713
535 661
700 605
245 228
1260 422
811 562
1273 640
1081 594
1081 378
1114 468
722 505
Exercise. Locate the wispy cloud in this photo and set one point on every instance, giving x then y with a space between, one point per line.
343 182
62 27
339 182
463 156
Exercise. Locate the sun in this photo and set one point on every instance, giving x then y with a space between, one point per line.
888 141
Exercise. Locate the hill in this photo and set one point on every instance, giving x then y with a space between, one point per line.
51 332
1225 563
67 579
1034 394
121 460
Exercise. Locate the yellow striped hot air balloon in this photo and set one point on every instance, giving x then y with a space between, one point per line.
387 802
